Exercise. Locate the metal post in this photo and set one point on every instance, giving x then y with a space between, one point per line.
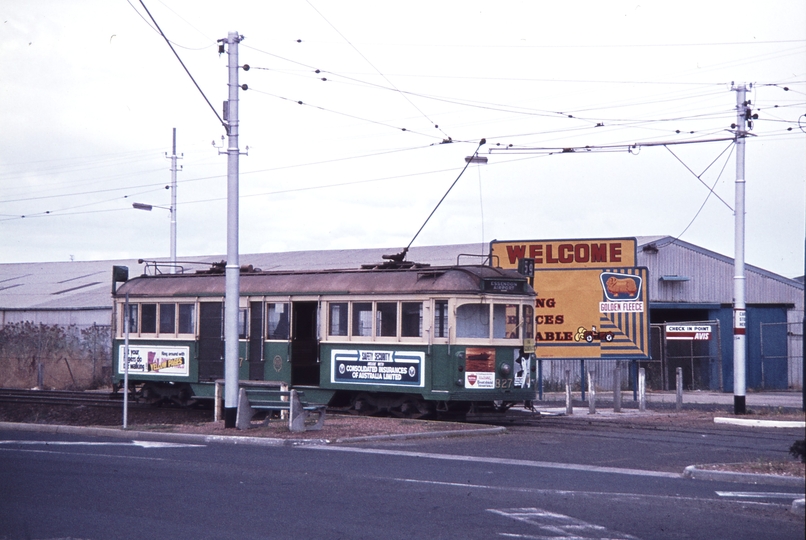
173 205
592 393
540 379
232 272
582 377
739 322
126 316
617 388
634 377
641 389
569 408
679 388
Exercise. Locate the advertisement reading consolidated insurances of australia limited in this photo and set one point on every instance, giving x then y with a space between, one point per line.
156 361
396 368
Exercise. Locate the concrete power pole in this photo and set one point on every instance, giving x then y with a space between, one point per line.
173 157
233 267
743 118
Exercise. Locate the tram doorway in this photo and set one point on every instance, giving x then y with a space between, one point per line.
255 356
304 344
211 341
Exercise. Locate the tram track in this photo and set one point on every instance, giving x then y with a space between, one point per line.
60 398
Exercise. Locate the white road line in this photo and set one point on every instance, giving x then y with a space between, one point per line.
500 461
626 497
758 495
141 444
559 525
760 423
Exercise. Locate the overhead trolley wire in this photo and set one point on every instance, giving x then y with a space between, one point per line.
376 69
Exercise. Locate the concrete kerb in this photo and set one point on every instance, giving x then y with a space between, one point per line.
746 478
196 438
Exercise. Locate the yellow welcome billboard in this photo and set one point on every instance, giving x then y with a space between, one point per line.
585 308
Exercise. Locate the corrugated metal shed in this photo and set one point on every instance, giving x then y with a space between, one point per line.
679 273
683 272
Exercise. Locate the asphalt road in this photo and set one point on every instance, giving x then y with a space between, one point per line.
558 481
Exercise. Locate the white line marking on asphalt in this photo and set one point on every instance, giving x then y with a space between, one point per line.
760 423
626 497
759 495
141 444
559 525
501 461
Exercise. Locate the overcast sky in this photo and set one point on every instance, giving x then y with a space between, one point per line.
90 93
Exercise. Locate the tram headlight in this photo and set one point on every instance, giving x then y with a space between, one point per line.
505 369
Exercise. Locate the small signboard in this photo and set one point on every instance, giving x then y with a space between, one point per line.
689 332
155 361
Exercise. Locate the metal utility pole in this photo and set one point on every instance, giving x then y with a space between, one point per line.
173 157
233 267
739 313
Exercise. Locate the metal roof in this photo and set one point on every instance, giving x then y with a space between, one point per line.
433 280
87 285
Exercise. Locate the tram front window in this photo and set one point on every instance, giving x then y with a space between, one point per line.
473 321
505 321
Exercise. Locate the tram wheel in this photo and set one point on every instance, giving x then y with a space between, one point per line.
363 405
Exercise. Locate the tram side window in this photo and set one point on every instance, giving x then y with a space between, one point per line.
386 319
243 323
148 318
362 319
167 318
411 319
278 321
441 319
473 321
132 319
505 321
337 319
187 318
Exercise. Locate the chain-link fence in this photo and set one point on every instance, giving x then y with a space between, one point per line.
779 361
74 357
693 346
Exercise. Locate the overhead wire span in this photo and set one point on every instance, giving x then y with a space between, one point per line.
710 191
226 127
699 176
376 69
300 102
